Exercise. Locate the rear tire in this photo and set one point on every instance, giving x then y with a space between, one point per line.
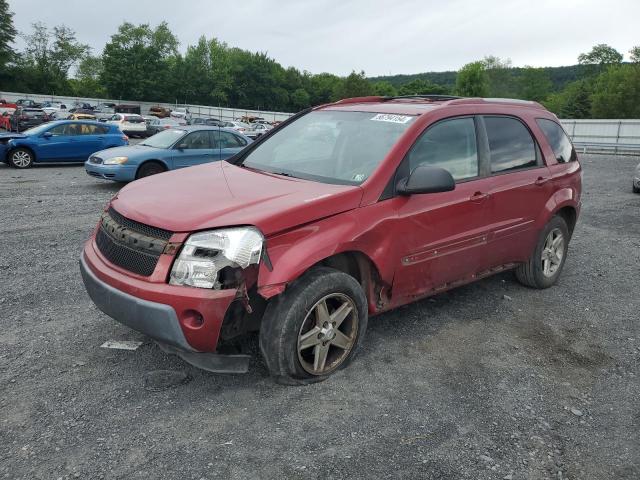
21 158
150 168
314 328
548 258
636 189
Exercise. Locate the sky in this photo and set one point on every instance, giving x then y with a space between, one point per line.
379 37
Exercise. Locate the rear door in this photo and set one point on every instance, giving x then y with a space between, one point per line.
520 188
194 149
228 144
442 236
90 141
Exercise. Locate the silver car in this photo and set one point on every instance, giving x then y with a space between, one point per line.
636 180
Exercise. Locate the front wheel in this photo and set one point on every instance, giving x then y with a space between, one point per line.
314 328
21 158
150 168
545 265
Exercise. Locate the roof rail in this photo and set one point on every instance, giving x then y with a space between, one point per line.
518 101
361 100
435 98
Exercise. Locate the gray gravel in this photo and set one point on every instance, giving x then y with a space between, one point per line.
492 380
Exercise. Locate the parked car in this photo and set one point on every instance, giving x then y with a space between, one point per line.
82 116
168 150
157 125
127 108
51 108
237 126
27 103
257 130
60 141
5 121
305 235
636 180
160 112
6 107
84 106
25 118
131 124
214 122
103 112
181 113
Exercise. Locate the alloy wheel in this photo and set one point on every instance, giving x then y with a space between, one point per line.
21 159
328 334
552 252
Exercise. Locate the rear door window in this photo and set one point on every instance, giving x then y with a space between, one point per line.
511 146
197 141
558 140
449 144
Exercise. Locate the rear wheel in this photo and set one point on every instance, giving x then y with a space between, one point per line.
545 265
150 168
21 158
314 328
636 189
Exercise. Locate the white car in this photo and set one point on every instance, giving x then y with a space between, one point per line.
58 110
238 126
181 113
130 124
636 180
258 129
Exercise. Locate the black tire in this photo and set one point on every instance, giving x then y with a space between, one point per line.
636 189
150 168
287 314
532 273
21 158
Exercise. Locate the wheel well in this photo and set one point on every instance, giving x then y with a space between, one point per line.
359 266
21 147
147 162
569 215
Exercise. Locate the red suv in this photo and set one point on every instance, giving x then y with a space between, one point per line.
342 212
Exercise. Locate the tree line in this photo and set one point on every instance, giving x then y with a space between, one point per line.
143 63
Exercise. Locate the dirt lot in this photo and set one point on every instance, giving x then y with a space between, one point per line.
492 380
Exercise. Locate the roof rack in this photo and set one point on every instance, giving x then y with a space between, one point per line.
435 98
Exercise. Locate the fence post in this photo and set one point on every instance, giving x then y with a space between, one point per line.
615 150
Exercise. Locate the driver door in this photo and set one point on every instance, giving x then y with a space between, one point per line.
60 145
194 149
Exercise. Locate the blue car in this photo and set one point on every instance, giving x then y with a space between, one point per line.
170 149
61 141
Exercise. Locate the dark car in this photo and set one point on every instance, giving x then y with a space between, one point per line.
127 108
61 141
25 118
342 212
28 103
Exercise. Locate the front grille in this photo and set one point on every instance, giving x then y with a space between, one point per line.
139 227
129 244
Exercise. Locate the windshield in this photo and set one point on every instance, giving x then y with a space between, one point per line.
164 139
38 130
330 146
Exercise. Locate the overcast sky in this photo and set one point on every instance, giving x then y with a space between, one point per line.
379 37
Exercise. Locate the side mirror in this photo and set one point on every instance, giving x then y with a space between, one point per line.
425 179
47 135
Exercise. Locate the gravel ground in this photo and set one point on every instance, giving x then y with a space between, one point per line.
491 380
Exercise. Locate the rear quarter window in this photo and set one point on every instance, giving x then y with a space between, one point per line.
558 140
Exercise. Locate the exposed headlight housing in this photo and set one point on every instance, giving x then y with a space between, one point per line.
115 160
204 255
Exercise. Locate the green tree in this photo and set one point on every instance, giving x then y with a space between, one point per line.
634 54
300 99
573 102
601 54
322 86
87 79
500 77
422 87
138 62
7 36
355 85
534 84
384 89
617 93
472 80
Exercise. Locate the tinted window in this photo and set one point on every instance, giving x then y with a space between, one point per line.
560 143
451 145
197 141
59 130
510 144
228 140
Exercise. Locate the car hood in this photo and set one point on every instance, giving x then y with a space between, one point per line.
10 136
131 151
221 194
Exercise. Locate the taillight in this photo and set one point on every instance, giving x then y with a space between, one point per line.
125 138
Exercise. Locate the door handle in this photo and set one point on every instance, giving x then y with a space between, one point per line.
542 180
479 197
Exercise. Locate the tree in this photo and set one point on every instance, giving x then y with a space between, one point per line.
355 85
534 84
300 99
500 76
572 102
635 54
138 62
7 36
617 93
472 80
384 89
422 87
600 54
87 79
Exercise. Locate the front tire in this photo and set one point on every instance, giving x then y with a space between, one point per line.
21 158
545 265
150 168
314 328
636 189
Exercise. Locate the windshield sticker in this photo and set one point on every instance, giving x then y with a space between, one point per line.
387 117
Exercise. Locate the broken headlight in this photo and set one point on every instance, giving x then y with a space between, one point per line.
205 254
